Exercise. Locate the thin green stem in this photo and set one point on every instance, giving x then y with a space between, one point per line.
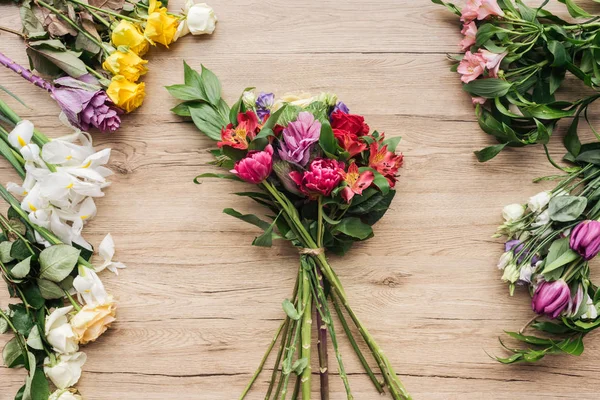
14 32
104 11
306 335
320 222
75 305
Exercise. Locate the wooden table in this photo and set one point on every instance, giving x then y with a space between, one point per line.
198 304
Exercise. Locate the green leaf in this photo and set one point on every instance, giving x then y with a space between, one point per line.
19 250
300 365
392 143
3 326
551 327
327 140
21 270
249 218
186 93
488 88
67 61
575 10
566 208
530 339
485 33
33 295
290 310
191 76
449 6
590 156
571 139
355 228
267 129
489 152
50 290
558 52
12 354
266 239
572 346
212 86
220 176
20 319
34 340
5 256
57 262
207 120
564 259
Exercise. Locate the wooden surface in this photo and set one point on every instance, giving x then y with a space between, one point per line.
198 304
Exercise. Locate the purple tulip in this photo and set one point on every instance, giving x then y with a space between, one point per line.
551 298
585 239
516 246
298 138
85 104
340 106
264 103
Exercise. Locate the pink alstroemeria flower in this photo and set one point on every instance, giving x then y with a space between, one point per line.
356 181
478 100
470 32
492 61
471 67
480 9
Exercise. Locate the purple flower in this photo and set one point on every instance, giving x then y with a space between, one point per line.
585 239
264 102
85 104
298 137
340 106
551 298
516 246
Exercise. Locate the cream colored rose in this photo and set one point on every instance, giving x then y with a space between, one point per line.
65 370
65 394
199 19
92 321
59 333
295 99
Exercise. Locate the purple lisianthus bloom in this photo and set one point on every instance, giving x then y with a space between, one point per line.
264 102
340 106
298 138
516 246
585 239
85 104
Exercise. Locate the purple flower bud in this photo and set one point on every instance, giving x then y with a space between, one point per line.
340 106
551 298
264 102
85 104
585 239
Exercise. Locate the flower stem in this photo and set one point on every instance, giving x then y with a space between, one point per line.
14 32
25 73
75 305
306 334
104 11
322 343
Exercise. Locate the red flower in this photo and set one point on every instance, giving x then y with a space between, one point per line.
349 142
256 167
321 178
385 162
238 137
356 181
352 123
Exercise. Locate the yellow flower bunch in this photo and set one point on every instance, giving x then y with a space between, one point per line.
161 27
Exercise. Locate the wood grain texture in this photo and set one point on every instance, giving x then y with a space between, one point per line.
198 304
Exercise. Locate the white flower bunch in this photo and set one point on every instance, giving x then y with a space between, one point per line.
62 180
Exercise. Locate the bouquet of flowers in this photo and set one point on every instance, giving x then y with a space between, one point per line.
325 179
44 258
514 60
99 45
550 242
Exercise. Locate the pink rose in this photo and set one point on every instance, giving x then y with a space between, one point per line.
471 67
470 32
256 167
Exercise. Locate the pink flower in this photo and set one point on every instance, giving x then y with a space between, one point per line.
551 298
471 67
320 179
298 139
478 100
585 239
480 9
256 167
470 32
356 181
492 61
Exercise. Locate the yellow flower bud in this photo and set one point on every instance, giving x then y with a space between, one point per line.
91 322
125 63
128 34
126 94
160 26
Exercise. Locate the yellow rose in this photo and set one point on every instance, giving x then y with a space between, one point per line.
128 34
125 63
91 322
126 94
160 26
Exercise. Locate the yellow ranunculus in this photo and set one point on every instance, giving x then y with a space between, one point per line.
126 94
125 63
128 34
160 26
92 321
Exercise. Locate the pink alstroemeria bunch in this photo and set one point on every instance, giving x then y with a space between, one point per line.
550 243
513 60
326 179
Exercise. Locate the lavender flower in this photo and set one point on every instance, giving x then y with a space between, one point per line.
85 104
516 246
298 137
340 106
585 239
264 103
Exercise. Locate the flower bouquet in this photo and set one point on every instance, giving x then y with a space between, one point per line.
550 242
515 59
99 45
325 179
44 258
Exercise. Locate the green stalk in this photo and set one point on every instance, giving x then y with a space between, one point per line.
104 11
306 335
282 344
